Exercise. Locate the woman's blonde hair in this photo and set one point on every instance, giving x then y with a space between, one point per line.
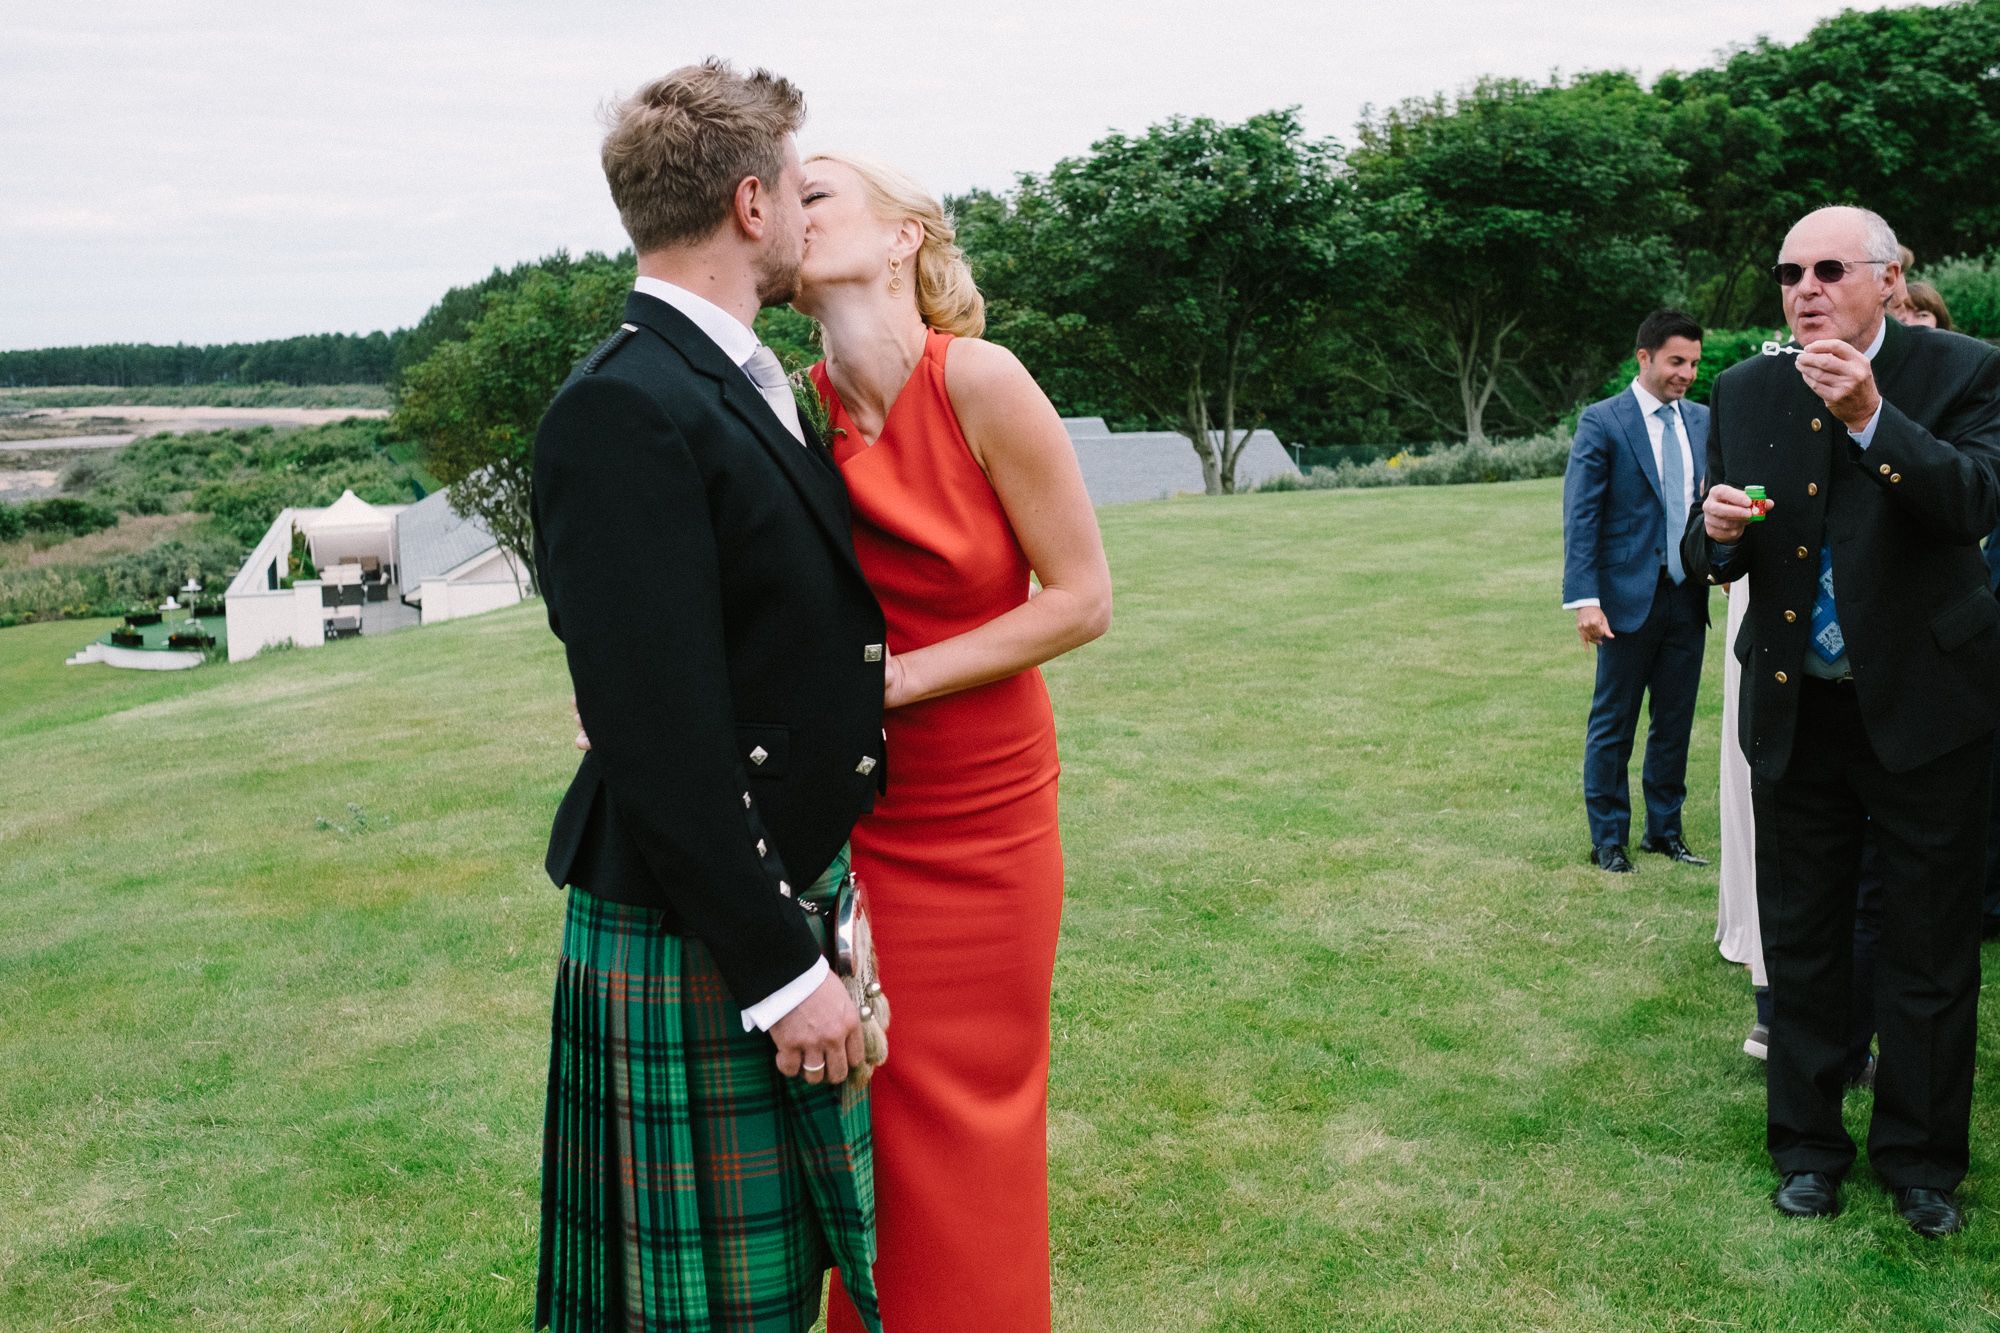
947 297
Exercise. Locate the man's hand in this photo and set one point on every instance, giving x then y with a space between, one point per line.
1726 513
1844 379
822 1037
582 736
1592 627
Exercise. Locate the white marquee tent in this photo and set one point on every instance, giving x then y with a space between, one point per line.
350 527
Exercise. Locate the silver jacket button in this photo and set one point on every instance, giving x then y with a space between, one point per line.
872 653
759 755
866 766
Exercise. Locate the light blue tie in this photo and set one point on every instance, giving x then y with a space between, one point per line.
1827 640
1673 491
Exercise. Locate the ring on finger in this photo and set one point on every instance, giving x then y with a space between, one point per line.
812 1069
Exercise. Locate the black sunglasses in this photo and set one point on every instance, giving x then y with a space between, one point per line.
1826 270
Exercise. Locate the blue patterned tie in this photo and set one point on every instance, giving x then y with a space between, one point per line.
1673 490
1827 640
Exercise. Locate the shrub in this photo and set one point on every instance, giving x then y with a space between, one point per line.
145 577
53 592
1542 455
11 525
1971 290
66 515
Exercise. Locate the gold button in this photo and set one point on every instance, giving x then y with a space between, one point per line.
1895 476
1816 423
1782 678
1812 488
1791 616
872 653
1884 469
866 766
1803 553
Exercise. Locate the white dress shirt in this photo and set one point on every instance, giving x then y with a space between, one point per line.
736 339
739 344
1656 433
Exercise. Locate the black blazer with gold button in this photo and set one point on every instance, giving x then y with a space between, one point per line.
725 650
1905 517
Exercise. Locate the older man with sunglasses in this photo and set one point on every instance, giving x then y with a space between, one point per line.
1871 691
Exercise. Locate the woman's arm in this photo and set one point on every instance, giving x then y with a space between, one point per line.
1018 440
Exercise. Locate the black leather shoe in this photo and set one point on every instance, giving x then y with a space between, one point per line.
1930 1213
1612 857
1673 849
1808 1194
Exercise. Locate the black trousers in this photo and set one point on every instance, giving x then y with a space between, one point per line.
1929 830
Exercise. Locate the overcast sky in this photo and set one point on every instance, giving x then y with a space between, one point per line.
216 172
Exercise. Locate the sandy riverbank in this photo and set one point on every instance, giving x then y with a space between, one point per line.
165 420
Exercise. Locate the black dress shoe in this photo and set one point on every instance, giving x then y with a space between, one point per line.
1673 849
1930 1213
1808 1194
1612 857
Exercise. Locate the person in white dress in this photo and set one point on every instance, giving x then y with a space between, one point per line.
1736 933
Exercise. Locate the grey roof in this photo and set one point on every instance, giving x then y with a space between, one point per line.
431 539
1152 464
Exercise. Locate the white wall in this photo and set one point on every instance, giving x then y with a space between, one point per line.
259 620
484 583
454 601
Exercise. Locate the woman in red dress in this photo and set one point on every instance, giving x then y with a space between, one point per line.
963 484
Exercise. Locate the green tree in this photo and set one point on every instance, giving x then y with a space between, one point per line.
1897 110
472 406
1175 276
1528 227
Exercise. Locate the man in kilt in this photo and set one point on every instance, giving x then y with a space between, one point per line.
703 1164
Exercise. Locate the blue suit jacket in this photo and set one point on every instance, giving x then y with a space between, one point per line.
1614 523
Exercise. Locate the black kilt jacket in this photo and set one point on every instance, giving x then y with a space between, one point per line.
726 652
1905 517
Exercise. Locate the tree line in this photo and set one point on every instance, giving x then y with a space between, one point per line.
313 358
1476 263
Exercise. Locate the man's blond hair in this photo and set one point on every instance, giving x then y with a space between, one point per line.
677 149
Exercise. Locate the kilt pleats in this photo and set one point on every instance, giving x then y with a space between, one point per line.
686 1185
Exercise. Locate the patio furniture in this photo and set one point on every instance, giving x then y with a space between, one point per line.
343 627
328 595
378 592
352 594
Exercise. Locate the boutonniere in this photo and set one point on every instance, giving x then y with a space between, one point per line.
812 408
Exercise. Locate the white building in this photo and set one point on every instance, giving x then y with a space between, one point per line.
379 568
1152 464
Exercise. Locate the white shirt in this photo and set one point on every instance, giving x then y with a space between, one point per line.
726 331
1866 435
1656 434
736 340
739 344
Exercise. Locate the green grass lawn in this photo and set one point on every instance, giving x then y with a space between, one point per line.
1348 1035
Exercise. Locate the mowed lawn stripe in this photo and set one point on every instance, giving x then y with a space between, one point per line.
1348 1034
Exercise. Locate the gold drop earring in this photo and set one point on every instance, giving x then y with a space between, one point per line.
895 276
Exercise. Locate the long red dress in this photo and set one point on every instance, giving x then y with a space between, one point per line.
963 868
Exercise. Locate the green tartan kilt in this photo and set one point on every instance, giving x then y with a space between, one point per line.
686 1184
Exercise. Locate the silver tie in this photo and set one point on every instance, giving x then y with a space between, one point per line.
769 377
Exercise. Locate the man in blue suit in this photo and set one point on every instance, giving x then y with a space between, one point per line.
1632 479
